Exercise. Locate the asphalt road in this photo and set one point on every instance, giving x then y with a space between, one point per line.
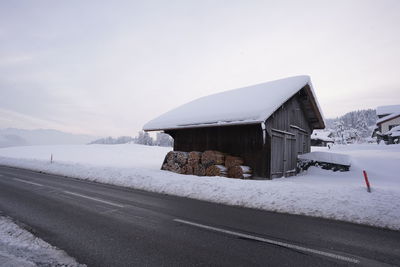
104 225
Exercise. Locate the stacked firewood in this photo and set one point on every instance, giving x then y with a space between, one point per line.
207 163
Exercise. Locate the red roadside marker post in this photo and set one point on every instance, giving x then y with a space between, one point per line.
366 181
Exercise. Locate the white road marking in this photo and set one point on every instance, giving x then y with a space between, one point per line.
27 182
95 199
270 241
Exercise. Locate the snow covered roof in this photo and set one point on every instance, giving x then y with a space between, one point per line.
382 110
389 117
395 134
322 135
395 131
248 105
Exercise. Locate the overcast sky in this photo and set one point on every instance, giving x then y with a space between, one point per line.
107 67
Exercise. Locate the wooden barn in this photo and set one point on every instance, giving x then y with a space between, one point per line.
267 124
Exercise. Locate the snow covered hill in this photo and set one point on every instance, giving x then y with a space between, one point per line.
317 192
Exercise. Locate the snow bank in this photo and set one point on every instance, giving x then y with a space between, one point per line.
21 248
129 155
317 192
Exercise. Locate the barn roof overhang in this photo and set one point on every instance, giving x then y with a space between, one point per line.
205 125
315 116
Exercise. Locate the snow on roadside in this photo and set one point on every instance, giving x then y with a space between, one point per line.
317 192
19 247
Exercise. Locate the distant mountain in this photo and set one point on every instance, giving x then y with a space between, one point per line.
12 140
22 137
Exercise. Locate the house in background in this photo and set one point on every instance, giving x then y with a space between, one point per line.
383 111
321 138
393 135
388 119
267 124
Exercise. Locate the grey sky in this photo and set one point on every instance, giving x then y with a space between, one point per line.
107 67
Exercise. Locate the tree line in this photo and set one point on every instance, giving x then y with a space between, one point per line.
354 126
142 138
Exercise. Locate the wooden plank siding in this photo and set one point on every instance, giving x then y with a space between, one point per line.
287 134
290 130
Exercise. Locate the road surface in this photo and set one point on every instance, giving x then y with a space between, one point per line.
105 225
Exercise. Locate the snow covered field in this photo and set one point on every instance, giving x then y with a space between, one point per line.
18 247
317 192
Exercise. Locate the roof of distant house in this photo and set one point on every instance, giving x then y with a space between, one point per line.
382 110
248 105
322 135
388 117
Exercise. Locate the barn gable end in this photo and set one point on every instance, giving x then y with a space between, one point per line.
289 130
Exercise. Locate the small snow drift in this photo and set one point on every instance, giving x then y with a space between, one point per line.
267 125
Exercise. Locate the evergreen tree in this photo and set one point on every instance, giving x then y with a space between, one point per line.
144 138
361 126
113 141
163 139
339 131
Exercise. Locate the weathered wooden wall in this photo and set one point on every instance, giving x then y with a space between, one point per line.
290 132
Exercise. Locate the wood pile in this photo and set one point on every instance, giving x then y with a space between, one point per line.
194 158
207 163
231 161
212 157
199 170
217 170
173 162
242 172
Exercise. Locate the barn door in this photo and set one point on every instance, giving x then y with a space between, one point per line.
283 154
291 155
277 154
302 141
